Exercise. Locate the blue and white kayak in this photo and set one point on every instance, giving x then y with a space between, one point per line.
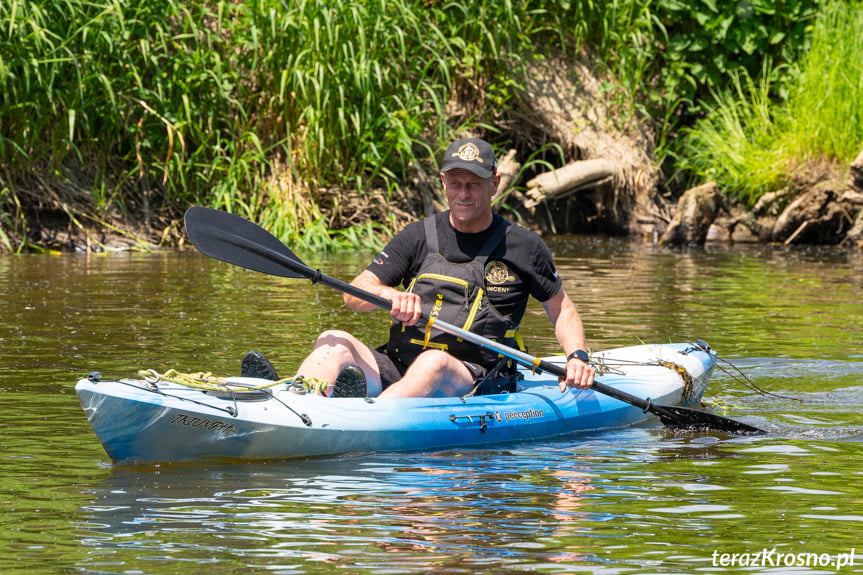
155 420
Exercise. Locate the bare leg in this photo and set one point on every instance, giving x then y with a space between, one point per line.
434 373
333 350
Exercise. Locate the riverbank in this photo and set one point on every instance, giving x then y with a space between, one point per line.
325 123
614 187
599 195
823 205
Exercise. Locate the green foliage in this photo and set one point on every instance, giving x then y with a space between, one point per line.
709 41
750 144
262 107
824 114
735 145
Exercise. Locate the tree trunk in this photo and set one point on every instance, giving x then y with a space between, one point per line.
696 210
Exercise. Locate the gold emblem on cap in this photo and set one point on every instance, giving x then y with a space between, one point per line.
469 153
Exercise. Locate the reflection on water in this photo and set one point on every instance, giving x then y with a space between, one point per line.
642 500
633 500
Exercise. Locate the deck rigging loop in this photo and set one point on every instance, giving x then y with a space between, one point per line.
150 386
602 367
219 387
206 381
689 394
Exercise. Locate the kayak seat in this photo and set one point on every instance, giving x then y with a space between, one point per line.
503 378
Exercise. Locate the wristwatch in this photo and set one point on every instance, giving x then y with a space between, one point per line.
579 354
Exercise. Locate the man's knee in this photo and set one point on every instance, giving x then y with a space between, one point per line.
334 337
433 359
341 347
439 363
434 373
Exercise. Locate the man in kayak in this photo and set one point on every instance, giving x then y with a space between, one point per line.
467 266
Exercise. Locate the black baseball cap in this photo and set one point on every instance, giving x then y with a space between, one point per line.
470 154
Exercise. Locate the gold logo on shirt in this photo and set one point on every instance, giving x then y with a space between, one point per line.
497 273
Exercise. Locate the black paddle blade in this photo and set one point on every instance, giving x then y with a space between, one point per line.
679 417
684 418
238 241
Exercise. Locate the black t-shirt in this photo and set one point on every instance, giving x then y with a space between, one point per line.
527 265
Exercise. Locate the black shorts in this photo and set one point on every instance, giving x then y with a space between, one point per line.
392 370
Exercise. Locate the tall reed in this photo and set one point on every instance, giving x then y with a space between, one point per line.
750 145
825 109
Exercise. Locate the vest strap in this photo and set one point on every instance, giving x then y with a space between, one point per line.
433 246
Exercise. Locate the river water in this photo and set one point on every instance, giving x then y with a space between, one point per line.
641 500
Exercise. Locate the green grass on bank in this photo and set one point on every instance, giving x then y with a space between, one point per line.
272 109
260 107
750 144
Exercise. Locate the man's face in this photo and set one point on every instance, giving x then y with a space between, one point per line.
469 197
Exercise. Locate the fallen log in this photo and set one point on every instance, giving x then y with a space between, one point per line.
568 179
813 217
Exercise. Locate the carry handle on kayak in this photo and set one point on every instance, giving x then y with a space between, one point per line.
238 241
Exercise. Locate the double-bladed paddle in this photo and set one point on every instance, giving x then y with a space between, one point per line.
238 241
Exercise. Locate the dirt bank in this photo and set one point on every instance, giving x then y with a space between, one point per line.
607 180
823 204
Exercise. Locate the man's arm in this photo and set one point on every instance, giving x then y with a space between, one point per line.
570 334
406 307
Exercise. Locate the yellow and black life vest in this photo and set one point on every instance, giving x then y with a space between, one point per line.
456 294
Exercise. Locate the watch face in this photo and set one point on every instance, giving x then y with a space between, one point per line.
579 354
